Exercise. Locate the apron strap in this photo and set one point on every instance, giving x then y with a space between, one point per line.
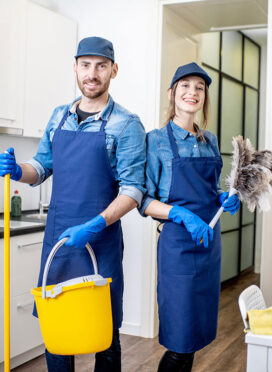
158 227
65 116
104 121
173 144
212 146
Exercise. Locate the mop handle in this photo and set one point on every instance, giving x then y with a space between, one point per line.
6 272
221 210
51 256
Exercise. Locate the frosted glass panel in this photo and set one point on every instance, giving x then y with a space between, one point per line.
251 118
247 247
232 54
213 92
228 222
227 159
230 254
232 113
210 48
247 217
251 63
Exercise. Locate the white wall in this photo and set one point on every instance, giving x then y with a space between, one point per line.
180 45
262 130
266 272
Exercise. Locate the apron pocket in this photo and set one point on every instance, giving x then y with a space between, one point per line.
176 252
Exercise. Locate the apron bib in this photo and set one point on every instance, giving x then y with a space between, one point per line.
189 275
83 186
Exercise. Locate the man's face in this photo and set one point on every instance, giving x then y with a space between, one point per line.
93 75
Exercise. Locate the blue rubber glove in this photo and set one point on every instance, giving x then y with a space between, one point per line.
231 204
80 235
194 224
8 165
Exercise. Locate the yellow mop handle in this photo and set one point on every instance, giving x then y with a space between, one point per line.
6 273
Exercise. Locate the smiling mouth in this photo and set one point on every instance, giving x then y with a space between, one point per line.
91 85
188 100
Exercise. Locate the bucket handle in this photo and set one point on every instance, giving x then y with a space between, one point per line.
51 256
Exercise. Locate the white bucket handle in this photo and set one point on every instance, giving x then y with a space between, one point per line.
51 256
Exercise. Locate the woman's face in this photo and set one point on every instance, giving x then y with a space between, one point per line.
190 94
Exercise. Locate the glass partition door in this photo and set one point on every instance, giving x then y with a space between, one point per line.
233 62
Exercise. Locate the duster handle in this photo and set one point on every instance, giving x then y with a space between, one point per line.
221 210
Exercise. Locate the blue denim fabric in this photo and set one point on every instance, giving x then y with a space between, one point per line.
59 363
159 159
125 141
105 361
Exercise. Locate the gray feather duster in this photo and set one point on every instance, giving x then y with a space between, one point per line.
250 177
263 158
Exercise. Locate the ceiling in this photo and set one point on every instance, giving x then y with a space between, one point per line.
258 35
205 15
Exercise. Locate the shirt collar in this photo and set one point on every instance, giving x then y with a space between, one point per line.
104 115
183 133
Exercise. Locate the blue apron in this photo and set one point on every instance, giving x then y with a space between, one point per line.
83 186
189 275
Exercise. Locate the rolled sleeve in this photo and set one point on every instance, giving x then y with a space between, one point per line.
39 169
131 157
145 203
133 192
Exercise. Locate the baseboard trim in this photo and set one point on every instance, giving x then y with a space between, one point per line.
133 329
25 357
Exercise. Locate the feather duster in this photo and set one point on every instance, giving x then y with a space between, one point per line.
250 177
263 158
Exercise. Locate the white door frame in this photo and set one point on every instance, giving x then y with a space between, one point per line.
266 246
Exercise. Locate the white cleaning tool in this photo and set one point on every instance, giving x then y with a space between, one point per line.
250 177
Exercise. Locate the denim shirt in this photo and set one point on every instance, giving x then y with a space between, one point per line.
159 159
125 142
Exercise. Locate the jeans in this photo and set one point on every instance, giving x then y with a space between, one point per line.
105 361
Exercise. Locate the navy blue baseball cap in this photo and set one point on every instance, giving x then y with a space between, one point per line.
95 46
190 69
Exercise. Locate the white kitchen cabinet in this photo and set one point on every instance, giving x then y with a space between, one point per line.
25 339
12 65
49 76
36 65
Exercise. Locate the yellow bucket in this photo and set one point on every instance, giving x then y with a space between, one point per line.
75 316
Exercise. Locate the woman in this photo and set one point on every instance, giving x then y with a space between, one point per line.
182 179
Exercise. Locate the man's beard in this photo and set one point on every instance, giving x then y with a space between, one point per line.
102 88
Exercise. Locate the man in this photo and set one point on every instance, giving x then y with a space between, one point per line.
96 150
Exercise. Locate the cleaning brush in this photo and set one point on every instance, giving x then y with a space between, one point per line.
250 177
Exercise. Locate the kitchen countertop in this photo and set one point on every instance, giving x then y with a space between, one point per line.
25 217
